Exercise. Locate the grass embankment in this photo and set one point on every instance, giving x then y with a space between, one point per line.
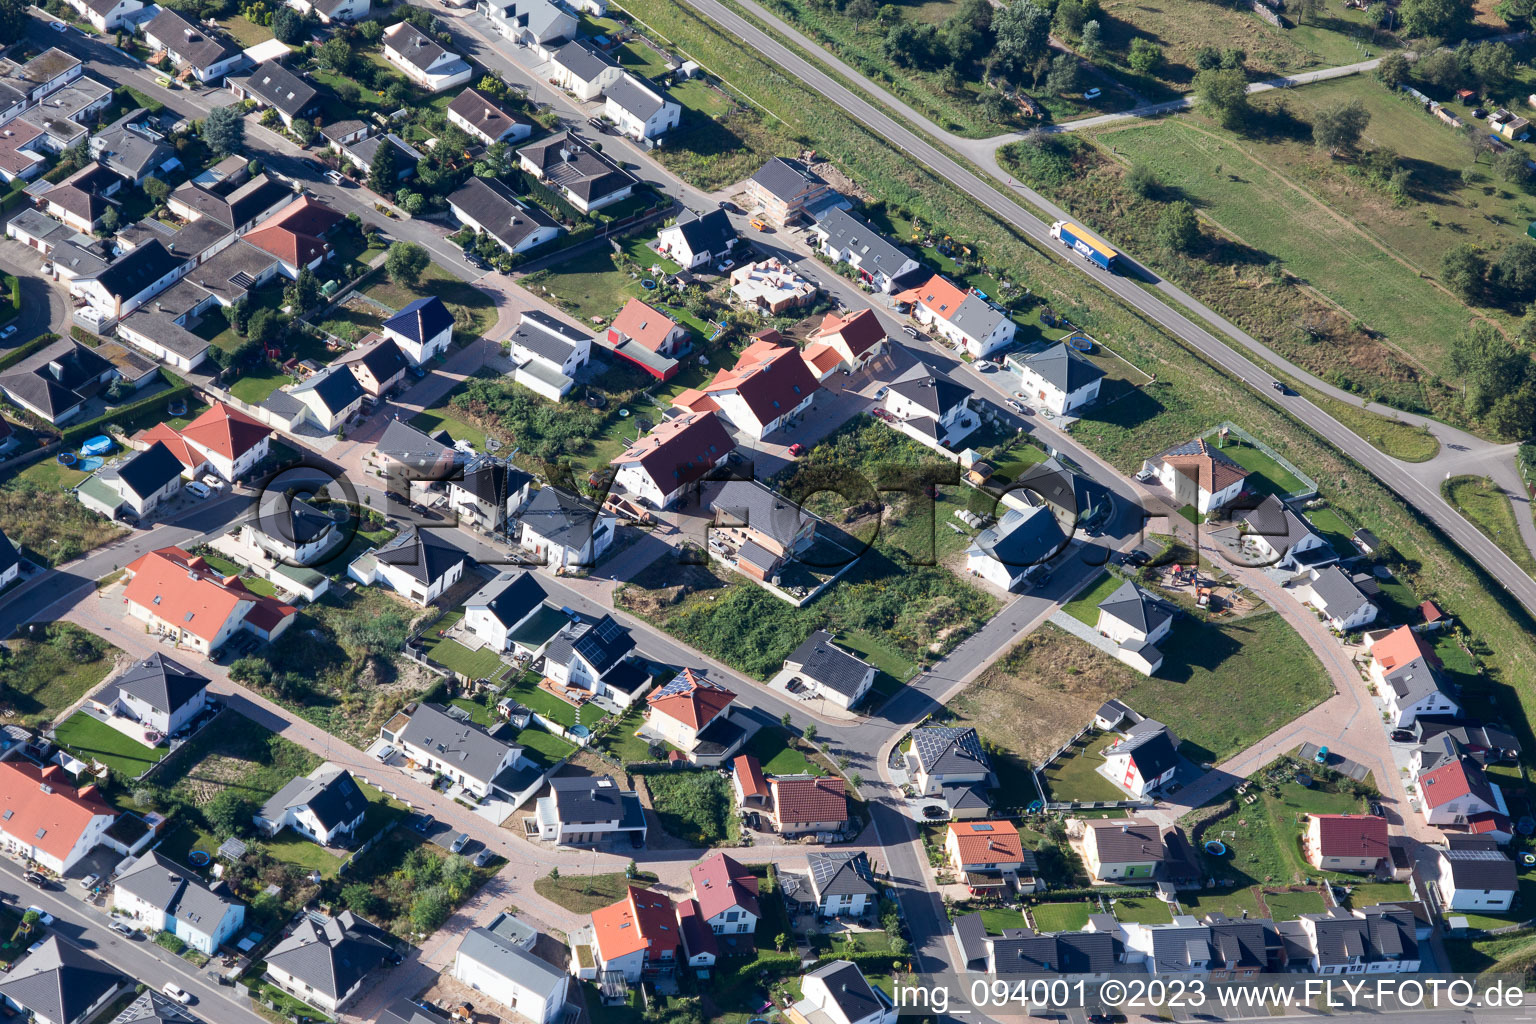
1487 507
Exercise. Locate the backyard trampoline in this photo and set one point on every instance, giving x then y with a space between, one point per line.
66 458
199 858
1215 847
1080 343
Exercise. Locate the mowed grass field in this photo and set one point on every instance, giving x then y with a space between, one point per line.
1329 228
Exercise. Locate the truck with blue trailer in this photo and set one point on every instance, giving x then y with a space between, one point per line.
1087 245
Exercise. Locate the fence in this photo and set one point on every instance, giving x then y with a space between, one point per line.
1284 463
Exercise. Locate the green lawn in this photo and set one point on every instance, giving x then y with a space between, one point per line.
1333 529
477 711
255 386
1265 475
1085 606
1231 902
526 692
1288 906
544 749
50 666
1263 839
245 33
694 806
483 663
234 753
92 739
997 919
771 748
621 741
582 894
443 416
473 312
1061 917
1488 508
291 848
1075 775
1142 910
253 583
1368 894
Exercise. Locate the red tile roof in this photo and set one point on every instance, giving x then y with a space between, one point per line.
771 379
720 883
643 919
698 937
1211 471
798 800
227 431
1352 835
644 325
1400 647
167 435
185 591
860 332
59 812
296 235
987 842
1453 780
750 774
939 295
691 699
679 451
821 358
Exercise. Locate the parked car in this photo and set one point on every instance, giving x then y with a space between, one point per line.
386 752
89 880
725 265
213 482
1322 755
985 365
45 918
422 823
8 331
333 176
1015 406
1093 94
758 225
1402 735
34 878
796 450
180 995
198 490
909 330
57 26
727 206
122 929
882 392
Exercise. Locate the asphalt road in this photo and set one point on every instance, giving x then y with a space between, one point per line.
1425 498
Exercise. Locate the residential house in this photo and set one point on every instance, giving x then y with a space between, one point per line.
488 494
135 487
511 975
107 15
665 464
754 528
548 354
1346 842
1144 759
636 937
192 48
695 240
846 343
44 74
829 672
785 191
648 338
496 611
693 714
362 153
1271 534
45 819
961 317
159 328
327 398
930 407
838 993
769 385
771 287
297 235
749 784
841 884
1059 380
727 898
640 110
60 983
593 656
1021 543
328 12
238 201
159 693
802 804
403 1011
1458 796
990 858
845 238
1125 848
64 117
339 135
1339 597
1476 876
419 565
485 205
424 60
422 329
589 810
539 24
325 807
159 895
1137 622
133 150
82 200
21 157
1407 676
565 529
131 280
273 86
410 461
1486 744
1376 940
1020 952
224 441
180 596
324 961
1197 474
586 178
378 366
479 760
486 119
943 758
55 382
583 70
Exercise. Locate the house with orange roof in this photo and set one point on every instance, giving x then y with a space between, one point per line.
637 936
960 316
845 343
1196 473
693 714
44 819
648 338
297 236
660 467
1458 796
769 384
802 804
222 440
181 596
1407 677
990 856
749 783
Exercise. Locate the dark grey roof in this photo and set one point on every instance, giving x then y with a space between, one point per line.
334 385
333 798
570 163
583 60
1062 367
406 155
422 320
1481 867
1112 708
635 98
193 42
403 1011
424 555
1021 538
1181 948
1414 680
1340 937
826 663
341 129
283 89
492 205
130 146
930 390
1136 608
297 525
1339 593
976 316
147 471
511 596
1241 942
971 933
404 443
711 233
151 1007
59 982
510 960
466 746
333 954
1128 841
761 508
1392 933
848 233
547 337
9 556
593 798
1273 520
840 874
484 113
1480 739
162 683
1021 951
41 393
855 997
414 46
178 891
949 750
561 517
196 237
236 207
1151 745
969 797
137 269
383 360
786 179
493 481
603 644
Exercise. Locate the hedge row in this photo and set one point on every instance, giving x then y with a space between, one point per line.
37 344
131 416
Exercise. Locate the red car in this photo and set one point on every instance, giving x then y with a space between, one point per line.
796 450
